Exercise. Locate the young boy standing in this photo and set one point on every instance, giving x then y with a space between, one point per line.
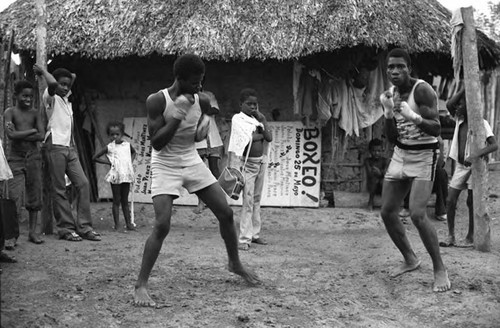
254 169
24 128
63 157
460 151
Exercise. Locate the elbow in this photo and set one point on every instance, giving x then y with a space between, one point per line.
156 145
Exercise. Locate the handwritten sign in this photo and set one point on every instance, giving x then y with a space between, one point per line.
294 166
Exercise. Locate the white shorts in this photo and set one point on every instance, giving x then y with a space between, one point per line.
167 180
412 164
461 177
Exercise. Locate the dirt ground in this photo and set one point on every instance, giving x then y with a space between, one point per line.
324 267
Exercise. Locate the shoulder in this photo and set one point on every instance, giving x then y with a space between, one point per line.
156 102
424 91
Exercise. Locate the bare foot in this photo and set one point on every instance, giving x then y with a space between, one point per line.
142 298
406 267
35 239
248 275
441 281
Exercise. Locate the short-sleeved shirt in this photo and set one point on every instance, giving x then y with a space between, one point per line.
454 142
60 118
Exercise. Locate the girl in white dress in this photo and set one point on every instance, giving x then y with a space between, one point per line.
120 155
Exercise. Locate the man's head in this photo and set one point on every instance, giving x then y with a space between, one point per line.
23 92
461 108
249 103
376 148
189 71
398 66
64 80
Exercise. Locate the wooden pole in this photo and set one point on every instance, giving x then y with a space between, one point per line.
482 240
41 60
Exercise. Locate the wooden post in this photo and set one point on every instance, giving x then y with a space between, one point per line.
482 241
41 60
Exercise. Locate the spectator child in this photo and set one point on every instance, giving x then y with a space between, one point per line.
24 127
461 153
375 166
254 170
120 155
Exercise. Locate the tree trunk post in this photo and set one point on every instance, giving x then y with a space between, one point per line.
41 60
482 240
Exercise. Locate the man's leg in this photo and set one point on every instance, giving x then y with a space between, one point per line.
81 183
15 192
65 222
124 191
451 205
393 193
419 196
216 201
115 208
469 239
257 196
33 190
162 205
440 187
246 223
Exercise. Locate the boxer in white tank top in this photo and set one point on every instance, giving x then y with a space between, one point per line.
412 124
173 116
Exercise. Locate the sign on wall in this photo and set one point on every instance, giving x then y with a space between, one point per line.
293 170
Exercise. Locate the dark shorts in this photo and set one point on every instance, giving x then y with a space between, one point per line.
27 170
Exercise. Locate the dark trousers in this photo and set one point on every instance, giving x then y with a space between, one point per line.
64 160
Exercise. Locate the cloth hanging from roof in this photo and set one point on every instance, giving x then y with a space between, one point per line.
457 24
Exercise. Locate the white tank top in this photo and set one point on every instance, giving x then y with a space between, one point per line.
408 132
180 151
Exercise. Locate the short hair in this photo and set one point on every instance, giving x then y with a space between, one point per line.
61 72
188 65
374 143
400 53
21 85
117 124
246 93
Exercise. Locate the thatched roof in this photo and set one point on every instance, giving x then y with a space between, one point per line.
230 29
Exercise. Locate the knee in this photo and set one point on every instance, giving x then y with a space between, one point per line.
226 215
417 216
82 183
161 229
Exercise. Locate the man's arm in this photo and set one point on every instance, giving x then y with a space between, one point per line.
133 152
49 78
426 99
266 132
39 136
97 157
206 107
160 132
451 105
491 147
11 131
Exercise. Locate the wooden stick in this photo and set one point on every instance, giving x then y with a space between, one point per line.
41 60
482 240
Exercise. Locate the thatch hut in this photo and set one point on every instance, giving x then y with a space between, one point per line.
122 50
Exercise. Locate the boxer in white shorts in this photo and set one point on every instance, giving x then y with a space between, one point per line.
412 124
173 116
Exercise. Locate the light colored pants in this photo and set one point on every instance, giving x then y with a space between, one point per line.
250 222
